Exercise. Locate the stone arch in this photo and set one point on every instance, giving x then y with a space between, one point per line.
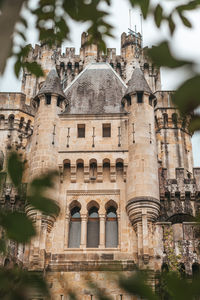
175 120
2 120
11 119
91 204
165 119
74 203
93 225
195 270
93 168
75 225
111 232
111 203
6 262
106 169
21 122
80 170
67 169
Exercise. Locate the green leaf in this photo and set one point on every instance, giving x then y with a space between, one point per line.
46 205
18 226
18 284
162 57
37 196
17 68
171 24
185 21
143 4
158 15
15 168
187 95
23 21
195 124
2 246
136 285
34 68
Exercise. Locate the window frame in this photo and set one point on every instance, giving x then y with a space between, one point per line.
105 126
79 127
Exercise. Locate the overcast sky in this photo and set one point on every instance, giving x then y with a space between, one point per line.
185 44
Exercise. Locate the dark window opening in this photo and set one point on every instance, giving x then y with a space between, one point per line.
81 130
11 121
175 120
195 270
48 99
165 120
140 97
58 102
106 130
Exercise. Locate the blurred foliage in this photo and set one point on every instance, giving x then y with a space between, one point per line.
17 283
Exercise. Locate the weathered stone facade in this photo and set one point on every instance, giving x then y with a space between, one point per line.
127 188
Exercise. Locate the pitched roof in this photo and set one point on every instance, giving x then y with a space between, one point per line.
137 83
52 85
97 89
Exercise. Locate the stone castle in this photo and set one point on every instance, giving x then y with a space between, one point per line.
127 189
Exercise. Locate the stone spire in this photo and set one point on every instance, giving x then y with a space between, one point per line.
52 85
137 83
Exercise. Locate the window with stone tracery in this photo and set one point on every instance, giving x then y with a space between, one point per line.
75 228
111 228
93 228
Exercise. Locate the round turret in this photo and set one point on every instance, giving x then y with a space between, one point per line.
142 176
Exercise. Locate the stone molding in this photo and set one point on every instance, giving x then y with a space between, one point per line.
92 192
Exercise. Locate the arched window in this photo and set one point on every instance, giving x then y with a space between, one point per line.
106 170
195 270
75 228
6 262
21 123
182 270
175 120
164 268
67 170
111 228
28 125
48 99
119 169
80 170
93 228
93 169
11 121
2 119
165 120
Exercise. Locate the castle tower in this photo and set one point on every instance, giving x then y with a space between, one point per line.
131 50
88 52
43 157
49 102
142 175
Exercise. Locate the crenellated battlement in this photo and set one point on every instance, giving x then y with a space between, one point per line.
180 195
131 39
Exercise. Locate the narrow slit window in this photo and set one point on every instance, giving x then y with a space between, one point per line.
106 130
81 130
48 99
139 97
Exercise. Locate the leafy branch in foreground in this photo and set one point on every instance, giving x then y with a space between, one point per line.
16 283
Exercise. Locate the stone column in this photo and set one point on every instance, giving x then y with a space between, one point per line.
102 231
83 231
119 230
66 231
